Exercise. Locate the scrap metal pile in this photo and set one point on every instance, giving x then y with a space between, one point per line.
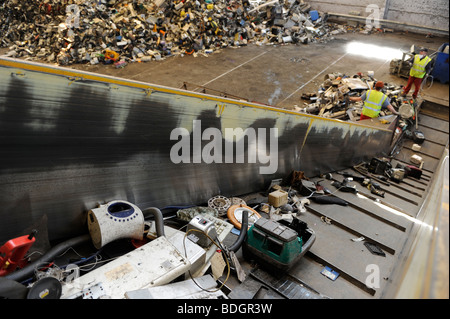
180 253
332 97
78 31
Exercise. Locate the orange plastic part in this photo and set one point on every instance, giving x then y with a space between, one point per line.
234 220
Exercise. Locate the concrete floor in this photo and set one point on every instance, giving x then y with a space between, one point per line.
278 75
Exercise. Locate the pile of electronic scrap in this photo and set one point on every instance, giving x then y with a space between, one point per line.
120 31
129 251
332 98
190 252
381 172
184 253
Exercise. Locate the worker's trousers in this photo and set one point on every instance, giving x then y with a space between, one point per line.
417 82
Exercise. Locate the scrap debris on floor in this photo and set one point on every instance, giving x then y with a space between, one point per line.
187 247
332 97
119 32
193 249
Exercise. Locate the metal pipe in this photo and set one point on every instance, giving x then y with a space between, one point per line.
158 219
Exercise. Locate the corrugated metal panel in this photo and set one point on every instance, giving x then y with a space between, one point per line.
72 139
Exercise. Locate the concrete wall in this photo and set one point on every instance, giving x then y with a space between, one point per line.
430 14
346 6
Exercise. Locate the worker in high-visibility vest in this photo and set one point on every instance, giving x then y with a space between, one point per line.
374 102
421 65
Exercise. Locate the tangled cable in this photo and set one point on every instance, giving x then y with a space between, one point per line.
219 246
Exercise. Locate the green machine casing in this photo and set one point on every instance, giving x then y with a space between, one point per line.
274 245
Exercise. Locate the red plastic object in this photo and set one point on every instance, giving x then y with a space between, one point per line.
13 251
138 243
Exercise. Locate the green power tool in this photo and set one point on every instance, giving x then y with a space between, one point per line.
276 246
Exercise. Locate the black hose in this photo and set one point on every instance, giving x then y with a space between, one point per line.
244 227
11 289
49 256
158 219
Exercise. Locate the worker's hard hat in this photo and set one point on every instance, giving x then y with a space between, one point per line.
423 49
379 84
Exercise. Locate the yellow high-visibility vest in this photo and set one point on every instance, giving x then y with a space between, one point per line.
373 103
418 67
